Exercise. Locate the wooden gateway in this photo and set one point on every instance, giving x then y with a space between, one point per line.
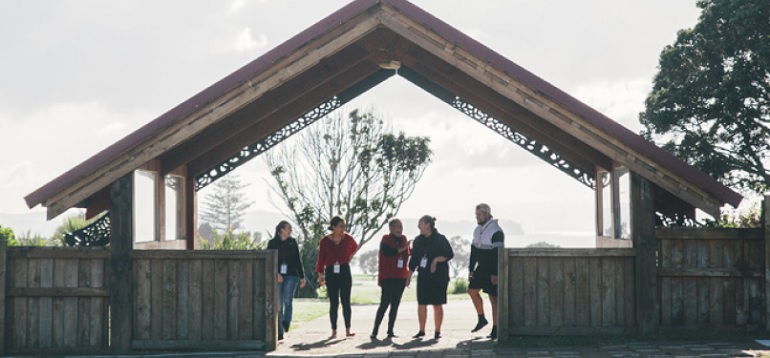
147 183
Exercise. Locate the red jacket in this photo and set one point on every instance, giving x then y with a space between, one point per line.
330 253
388 255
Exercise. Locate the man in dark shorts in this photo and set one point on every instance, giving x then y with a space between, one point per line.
488 237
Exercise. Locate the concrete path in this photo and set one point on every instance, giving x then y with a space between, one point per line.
311 339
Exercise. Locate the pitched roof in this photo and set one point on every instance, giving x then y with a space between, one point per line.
345 49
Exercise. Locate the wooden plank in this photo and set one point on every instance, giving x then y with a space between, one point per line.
199 254
121 245
245 325
271 293
70 311
142 299
643 236
703 301
3 271
208 277
204 346
620 292
57 336
595 284
168 329
220 299
260 301
46 304
543 292
98 323
530 290
515 291
766 265
33 303
233 294
756 309
609 315
36 252
84 304
741 303
32 292
582 292
728 289
630 292
569 331
556 300
156 299
695 272
687 233
195 290
18 329
553 252
716 307
183 300
570 293
690 299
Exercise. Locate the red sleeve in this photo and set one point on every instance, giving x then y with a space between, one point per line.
352 247
319 265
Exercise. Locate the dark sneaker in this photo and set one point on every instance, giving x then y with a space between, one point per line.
392 335
286 326
437 335
419 334
493 334
482 322
280 337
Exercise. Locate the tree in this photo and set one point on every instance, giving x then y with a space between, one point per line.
710 102
462 250
351 166
369 262
225 207
542 245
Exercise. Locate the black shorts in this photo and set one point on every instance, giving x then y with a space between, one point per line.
431 292
482 279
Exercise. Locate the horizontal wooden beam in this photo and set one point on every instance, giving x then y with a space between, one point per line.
58 292
58 253
200 254
198 345
709 272
687 233
546 252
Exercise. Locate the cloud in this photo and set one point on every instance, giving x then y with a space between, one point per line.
245 42
621 100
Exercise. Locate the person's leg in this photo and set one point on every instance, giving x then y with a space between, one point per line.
290 285
333 291
384 302
474 291
345 288
422 316
438 318
280 309
395 301
493 301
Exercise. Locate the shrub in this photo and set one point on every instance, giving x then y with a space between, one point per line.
230 240
459 286
30 239
6 234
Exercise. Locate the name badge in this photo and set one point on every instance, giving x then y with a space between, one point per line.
400 262
284 269
424 262
336 268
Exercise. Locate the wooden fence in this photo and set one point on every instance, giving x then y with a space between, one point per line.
567 291
203 300
57 300
710 277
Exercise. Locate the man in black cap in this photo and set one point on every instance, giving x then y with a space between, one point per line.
488 237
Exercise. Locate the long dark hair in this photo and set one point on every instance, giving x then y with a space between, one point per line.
336 220
281 225
431 221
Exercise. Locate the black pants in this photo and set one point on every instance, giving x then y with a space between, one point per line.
392 290
338 287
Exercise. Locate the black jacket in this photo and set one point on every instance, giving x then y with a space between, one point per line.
430 247
288 253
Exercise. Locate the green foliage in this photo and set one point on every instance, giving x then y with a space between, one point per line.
225 206
369 262
710 103
737 219
462 250
350 166
230 240
30 239
540 245
459 286
309 254
70 224
6 234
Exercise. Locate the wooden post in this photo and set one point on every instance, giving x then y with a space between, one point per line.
121 244
503 296
645 271
190 213
3 254
766 233
271 301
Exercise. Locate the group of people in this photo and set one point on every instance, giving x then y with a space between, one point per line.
428 255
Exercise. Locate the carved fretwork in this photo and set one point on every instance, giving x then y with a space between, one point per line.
583 175
254 150
95 234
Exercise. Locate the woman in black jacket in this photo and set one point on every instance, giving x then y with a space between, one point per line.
430 254
290 272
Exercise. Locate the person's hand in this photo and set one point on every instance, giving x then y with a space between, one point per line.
409 279
493 278
470 275
433 266
280 278
302 283
321 280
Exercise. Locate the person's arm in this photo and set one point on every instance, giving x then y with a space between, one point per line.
473 260
414 259
352 247
498 242
388 250
298 262
319 265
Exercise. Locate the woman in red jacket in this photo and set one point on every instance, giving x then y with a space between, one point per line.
392 274
333 267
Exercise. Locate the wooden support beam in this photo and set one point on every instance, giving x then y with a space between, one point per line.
121 244
503 298
291 111
312 80
547 109
190 212
3 262
182 129
766 231
645 245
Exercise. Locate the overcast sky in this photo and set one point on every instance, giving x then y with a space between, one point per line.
75 76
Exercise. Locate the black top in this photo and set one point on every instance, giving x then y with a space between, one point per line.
390 251
430 247
486 258
288 253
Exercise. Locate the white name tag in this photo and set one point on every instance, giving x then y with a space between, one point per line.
284 269
400 262
336 268
424 262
